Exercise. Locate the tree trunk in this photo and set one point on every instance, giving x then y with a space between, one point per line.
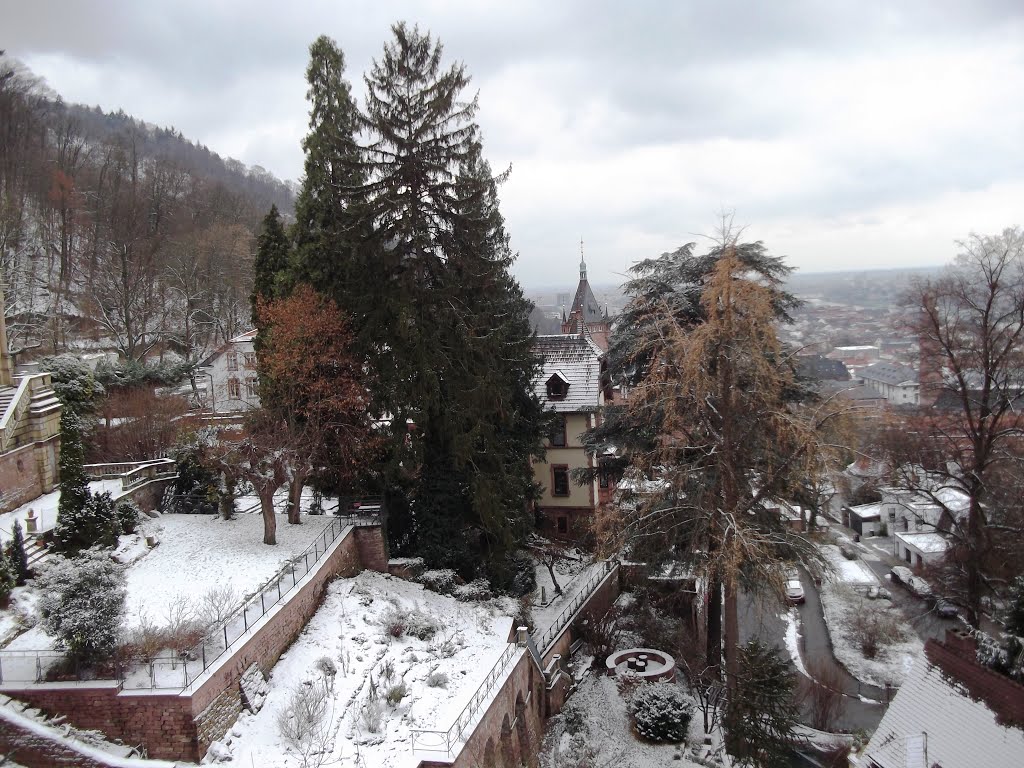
551 572
298 482
732 635
269 518
714 625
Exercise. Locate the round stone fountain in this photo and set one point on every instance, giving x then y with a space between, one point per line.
644 663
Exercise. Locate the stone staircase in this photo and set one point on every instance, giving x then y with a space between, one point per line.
36 552
6 396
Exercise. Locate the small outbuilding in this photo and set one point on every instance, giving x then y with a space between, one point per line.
865 519
920 549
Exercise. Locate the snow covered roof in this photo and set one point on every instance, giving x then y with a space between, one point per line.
926 542
867 511
969 716
890 373
575 359
244 337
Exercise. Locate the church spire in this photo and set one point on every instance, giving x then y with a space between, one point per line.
583 263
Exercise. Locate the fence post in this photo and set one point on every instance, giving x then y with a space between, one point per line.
245 617
263 603
279 589
226 633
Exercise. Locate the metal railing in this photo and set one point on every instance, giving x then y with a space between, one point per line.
546 637
446 741
178 670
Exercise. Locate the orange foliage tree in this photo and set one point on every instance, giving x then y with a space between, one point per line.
311 382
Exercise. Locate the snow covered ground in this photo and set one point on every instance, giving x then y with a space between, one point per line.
215 554
352 631
196 556
846 608
594 730
45 508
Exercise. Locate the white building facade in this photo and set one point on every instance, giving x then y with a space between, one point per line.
230 382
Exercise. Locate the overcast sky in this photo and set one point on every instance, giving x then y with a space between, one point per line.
873 134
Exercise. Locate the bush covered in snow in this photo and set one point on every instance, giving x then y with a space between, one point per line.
17 555
660 712
399 622
128 515
82 603
195 489
305 722
7 578
93 524
440 580
475 591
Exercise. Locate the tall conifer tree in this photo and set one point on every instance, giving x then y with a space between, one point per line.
271 265
453 351
327 230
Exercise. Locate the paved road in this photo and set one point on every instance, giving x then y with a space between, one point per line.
877 555
766 620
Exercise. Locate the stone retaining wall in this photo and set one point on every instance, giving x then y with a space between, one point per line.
181 726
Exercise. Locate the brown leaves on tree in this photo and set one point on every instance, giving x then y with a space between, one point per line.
314 386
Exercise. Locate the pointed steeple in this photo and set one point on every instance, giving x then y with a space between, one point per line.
583 263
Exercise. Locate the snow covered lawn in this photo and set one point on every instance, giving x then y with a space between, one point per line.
848 571
848 614
196 555
384 685
200 553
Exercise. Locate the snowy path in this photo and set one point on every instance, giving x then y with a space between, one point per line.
45 508
549 619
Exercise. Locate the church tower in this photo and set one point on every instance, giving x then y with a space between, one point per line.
586 310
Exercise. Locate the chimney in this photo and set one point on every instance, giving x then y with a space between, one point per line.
962 643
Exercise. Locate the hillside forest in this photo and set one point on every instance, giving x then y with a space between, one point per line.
120 235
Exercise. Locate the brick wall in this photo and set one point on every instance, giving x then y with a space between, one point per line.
28 740
181 726
373 548
163 720
509 733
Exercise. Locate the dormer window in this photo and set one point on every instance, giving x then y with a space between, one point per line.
557 386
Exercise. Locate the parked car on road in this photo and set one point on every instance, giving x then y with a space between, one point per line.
915 584
946 609
794 592
901 574
919 587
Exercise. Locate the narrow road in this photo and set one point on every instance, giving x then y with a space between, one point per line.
765 619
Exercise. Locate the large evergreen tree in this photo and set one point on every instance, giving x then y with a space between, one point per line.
271 264
405 235
328 230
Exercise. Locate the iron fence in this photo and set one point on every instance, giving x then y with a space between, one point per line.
177 670
446 741
544 638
